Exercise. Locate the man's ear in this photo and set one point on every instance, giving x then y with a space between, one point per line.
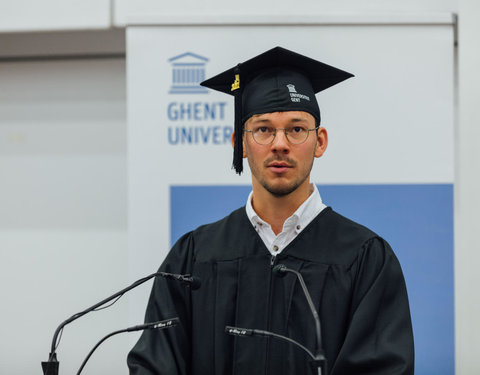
322 142
232 139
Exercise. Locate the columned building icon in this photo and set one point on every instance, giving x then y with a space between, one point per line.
188 70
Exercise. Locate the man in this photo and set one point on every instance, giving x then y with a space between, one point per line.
354 279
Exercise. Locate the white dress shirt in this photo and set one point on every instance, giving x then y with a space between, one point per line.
291 227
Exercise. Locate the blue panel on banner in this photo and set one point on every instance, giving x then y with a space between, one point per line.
417 221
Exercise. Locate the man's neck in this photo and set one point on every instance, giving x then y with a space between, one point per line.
275 210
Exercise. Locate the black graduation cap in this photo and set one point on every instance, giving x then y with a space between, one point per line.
274 81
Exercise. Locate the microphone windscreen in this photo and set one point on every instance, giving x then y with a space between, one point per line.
280 270
195 283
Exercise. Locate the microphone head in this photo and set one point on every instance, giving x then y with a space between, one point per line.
167 323
280 270
236 331
195 283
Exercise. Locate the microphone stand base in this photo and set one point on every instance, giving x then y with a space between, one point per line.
50 367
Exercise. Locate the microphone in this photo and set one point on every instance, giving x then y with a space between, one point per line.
191 281
50 367
162 324
167 323
243 332
320 361
317 360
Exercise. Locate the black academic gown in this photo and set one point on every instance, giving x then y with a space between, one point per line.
352 274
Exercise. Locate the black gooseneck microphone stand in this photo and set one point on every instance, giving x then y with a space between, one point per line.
168 323
319 362
50 367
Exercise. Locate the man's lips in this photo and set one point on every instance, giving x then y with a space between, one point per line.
279 167
279 164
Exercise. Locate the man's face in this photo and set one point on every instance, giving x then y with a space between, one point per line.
282 167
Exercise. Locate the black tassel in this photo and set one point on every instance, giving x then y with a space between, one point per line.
238 146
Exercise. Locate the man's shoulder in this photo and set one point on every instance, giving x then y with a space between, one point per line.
339 239
336 224
224 239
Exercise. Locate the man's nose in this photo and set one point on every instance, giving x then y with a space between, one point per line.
280 142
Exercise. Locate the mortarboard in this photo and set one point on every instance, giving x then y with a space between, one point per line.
274 81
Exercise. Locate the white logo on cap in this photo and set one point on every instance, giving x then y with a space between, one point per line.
291 88
294 96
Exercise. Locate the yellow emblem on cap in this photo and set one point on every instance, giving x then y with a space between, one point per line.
236 83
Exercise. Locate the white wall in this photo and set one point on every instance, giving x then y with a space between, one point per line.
62 210
125 9
467 188
31 15
61 140
45 15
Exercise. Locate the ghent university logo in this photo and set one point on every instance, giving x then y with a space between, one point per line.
188 70
291 88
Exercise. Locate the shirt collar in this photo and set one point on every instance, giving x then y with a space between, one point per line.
304 214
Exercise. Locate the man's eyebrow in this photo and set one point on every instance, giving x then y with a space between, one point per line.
261 121
298 119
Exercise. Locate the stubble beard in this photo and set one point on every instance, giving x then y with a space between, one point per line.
282 190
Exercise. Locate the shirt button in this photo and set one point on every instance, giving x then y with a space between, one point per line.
275 248
298 227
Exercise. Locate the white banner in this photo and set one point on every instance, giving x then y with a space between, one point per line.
392 124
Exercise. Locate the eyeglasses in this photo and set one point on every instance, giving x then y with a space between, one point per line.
264 135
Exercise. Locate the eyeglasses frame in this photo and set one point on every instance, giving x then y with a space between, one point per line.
286 136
